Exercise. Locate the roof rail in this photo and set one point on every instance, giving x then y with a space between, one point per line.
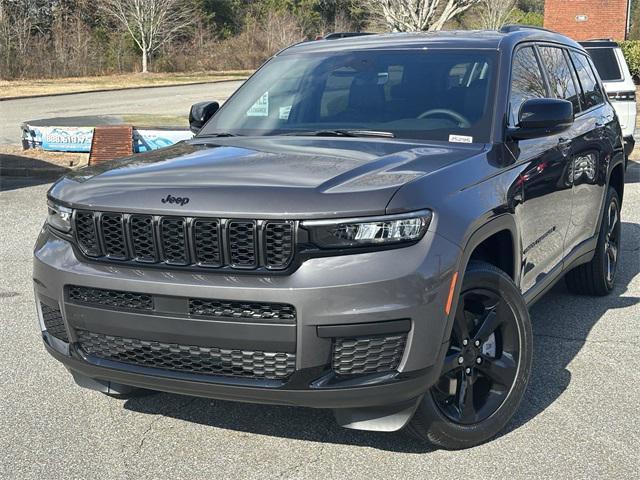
516 28
336 35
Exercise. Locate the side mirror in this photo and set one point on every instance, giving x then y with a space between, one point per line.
540 117
200 114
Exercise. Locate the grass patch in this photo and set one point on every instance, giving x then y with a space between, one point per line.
146 121
21 88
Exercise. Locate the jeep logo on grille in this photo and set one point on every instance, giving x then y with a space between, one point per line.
179 200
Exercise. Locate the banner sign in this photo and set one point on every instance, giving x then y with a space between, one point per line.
78 139
61 139
145 140
67 139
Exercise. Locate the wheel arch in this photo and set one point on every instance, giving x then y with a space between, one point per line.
497 229
500 232
616 179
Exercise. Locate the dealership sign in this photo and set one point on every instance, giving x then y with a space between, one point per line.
78 139
61 139
145 140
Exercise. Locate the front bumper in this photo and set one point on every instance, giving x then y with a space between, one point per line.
388 390
356 290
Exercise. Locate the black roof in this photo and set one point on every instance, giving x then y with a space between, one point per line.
472 39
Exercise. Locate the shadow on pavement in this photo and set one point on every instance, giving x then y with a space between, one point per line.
14 183
17 171
561 324
632 175
277 421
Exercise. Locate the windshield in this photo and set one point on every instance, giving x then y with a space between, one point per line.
421 94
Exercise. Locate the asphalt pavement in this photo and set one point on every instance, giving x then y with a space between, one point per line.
158 100
579 418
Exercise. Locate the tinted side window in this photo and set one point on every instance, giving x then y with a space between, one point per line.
559 75
591 94
606 63
526 82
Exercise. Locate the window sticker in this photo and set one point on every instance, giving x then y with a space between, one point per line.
284 112
261 107
460 139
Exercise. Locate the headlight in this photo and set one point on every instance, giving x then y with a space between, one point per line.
59 217
369 231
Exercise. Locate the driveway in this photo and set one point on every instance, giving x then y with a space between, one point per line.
160 101
579 418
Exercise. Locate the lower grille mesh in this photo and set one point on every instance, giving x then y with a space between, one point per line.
367 354
280 312
52 318
189 358
110 298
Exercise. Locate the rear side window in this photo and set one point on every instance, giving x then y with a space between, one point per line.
559 74
606 63
526 82
591 94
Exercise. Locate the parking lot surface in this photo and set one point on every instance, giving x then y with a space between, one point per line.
150 101
580 417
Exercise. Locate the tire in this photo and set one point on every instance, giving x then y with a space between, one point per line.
494 313
597 277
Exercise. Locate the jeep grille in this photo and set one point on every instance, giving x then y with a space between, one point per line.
185 241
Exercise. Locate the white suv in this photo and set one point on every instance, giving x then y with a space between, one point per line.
618 83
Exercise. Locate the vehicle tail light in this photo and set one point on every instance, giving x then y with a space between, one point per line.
629 96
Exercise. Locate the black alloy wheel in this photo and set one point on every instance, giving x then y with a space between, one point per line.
481 364
612 241
487 366
598 276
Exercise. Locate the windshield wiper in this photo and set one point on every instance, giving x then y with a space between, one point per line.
342 133
217 135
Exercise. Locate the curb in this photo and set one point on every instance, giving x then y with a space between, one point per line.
102 90
48 173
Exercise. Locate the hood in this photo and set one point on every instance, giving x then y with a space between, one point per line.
260 177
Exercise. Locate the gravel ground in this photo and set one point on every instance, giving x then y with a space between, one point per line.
579 418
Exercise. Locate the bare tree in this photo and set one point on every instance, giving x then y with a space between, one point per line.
417 15
278 30
20 20
493 14
151 23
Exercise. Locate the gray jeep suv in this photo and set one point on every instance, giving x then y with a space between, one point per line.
361 227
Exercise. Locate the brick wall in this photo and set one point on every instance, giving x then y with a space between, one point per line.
587 19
